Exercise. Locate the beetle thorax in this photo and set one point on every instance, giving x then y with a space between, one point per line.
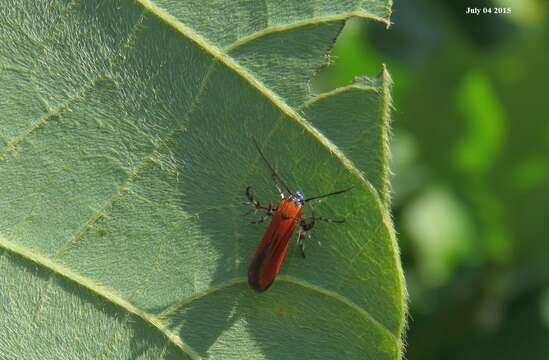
298 198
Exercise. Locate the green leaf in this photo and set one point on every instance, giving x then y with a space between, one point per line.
126 144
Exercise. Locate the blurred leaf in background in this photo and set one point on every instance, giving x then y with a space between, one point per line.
471 164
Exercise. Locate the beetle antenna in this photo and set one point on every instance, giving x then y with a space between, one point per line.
273 171
329 194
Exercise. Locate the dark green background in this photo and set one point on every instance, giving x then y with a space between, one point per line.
471 161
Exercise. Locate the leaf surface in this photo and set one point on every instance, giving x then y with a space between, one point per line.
126 145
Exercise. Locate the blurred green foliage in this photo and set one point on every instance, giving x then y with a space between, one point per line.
471 162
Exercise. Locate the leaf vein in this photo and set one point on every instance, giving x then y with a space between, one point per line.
225 59
222 57
124 187
102 291
280 28
102 212
43 120
172 310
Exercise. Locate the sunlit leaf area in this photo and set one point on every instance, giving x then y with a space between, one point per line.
131 135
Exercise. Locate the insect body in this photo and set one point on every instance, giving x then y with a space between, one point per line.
286 217
272 249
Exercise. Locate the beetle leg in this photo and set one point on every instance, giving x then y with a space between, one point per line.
306 225
260 220
300 242
314 218
304 228
256 205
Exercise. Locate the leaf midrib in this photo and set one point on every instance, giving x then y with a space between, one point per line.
104 292
222 57
231 64
157 320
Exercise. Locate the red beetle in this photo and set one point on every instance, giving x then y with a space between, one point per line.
286 216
